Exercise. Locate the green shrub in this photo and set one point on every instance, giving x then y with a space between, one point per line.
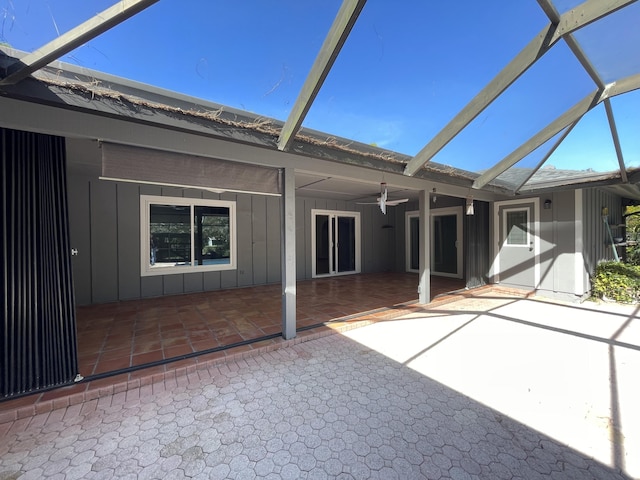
617 281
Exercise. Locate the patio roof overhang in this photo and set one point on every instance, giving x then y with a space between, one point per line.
288 136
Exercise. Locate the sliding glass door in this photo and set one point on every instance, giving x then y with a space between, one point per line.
336 242
445 245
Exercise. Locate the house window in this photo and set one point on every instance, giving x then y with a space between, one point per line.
184 235
517 227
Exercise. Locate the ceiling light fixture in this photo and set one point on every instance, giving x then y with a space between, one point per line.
470 210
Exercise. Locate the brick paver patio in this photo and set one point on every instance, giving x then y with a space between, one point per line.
332 407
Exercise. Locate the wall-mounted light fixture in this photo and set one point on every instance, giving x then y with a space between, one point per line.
470 210
434 198
547 204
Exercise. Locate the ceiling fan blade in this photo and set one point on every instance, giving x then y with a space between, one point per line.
393 203
383 198
383 201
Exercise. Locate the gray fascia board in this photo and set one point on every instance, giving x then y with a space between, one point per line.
66 121
74 38
520 64
335 39
575 184
567 118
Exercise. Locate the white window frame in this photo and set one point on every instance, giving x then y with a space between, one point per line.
506 213
145 208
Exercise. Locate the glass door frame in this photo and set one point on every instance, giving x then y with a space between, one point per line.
408 251
436 212
333 260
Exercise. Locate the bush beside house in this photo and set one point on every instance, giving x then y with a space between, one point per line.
616 281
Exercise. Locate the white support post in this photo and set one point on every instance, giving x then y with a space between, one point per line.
288 242
424 287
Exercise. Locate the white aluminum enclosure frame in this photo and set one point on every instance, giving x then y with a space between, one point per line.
560 27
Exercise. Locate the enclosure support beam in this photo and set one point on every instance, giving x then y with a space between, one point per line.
567 118
571 116
288 254
340 29
616 139
520 64
424 287
73 39
560 27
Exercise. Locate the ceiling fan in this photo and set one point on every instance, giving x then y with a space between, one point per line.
383 200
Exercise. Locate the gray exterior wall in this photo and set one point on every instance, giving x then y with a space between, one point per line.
558 243
105 229
575 216
597 243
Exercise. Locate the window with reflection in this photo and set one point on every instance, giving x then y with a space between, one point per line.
185 235
517 227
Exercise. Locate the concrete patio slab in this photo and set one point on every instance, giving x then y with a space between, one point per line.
567 371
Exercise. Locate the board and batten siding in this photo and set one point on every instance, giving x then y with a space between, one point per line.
105 218
105 230
596 237
574 238
557 243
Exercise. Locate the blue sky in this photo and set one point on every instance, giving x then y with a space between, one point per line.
405 71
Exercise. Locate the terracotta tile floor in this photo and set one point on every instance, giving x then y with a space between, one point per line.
126 345
117 336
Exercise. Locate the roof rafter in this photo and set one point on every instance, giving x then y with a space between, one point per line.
74 38
567 118
586 13
335 39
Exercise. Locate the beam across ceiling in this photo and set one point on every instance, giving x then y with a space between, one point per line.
74 38
335 39
584 14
